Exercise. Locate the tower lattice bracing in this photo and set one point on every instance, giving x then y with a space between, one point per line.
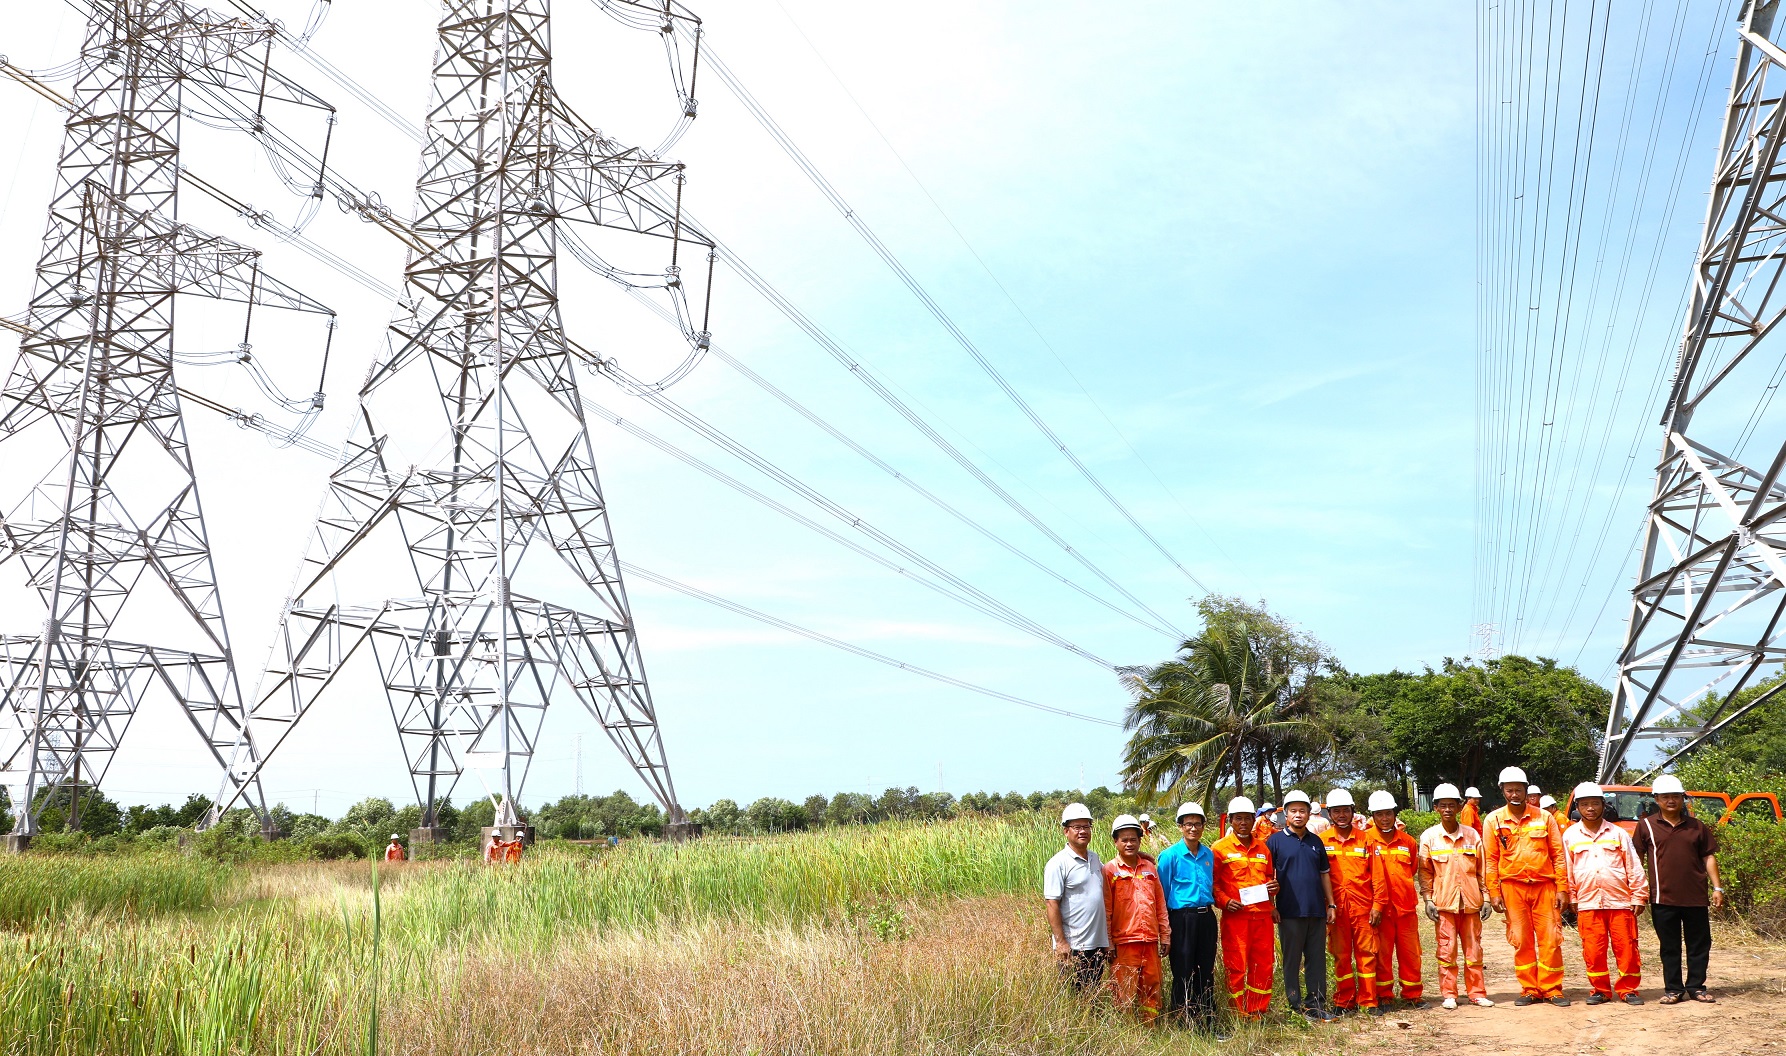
470 465
1706 613
100 516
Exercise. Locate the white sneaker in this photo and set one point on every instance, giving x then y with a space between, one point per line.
1450 1004
1482 1002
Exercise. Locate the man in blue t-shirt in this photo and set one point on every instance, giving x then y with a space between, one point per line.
1304 908
1187 874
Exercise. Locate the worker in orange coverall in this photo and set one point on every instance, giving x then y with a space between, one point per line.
1361 895
1456 895
1135 913
1398 923
511 851
1608 888
1245 886
1471 814
394 852
1527 878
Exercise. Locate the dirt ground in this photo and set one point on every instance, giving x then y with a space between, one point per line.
1747 976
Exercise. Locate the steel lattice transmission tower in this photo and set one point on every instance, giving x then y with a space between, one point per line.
470 460
101 502
1706 613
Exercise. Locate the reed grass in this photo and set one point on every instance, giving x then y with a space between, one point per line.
39 888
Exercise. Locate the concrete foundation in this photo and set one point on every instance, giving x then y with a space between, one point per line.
16 844
429 835
678 831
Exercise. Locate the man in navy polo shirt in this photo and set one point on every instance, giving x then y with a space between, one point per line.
1187 873
1304 908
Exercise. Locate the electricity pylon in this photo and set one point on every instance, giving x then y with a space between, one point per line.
102 505
1706 613
470 453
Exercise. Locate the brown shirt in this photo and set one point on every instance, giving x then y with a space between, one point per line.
1674 856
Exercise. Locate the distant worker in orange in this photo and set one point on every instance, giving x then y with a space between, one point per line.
1262 826
1456 894
1360 894
1527 877
1398 922
1135 914
1471 814
1245 884
511 851
394 851
496 850
1608 888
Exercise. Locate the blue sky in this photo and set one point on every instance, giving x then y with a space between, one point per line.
1248 232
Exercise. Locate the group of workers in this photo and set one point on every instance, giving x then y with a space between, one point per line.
1355 890
501 850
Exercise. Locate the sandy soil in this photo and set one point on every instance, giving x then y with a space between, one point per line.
1747 977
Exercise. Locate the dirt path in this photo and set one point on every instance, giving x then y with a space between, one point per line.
1749 980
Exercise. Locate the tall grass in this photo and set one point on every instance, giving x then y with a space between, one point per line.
719 946
34 889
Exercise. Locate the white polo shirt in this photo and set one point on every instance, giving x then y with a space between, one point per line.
1077 883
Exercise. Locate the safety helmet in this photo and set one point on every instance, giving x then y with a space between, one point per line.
1534 790
1512 775
1147 819
1125 821
1666 784
1295 796
1185 810
394 836
1381 800
1447 792
1339 797
1547 802
1472 793
1241 805
1075 812
1589 790
1265 806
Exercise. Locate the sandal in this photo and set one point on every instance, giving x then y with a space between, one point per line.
1705 996
1672 999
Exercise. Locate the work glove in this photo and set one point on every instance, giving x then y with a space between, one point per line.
1487 910
1432 912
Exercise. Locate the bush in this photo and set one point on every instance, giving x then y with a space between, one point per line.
1749 853
335 845
1418 821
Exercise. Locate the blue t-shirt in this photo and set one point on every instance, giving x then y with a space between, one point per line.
1188 879
1299 861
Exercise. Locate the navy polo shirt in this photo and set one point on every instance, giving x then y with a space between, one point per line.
1299 861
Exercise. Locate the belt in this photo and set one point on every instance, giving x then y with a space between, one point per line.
1199 909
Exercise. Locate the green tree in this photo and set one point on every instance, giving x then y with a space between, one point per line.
1195 715
1756 739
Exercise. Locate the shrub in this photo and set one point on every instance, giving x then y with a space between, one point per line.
335 845
1749 854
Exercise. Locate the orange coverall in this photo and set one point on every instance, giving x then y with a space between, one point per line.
394 853
1249 950
1451 874
1607 884
1358 886
1526 868
1398 933
1135 912
1471 815
511 851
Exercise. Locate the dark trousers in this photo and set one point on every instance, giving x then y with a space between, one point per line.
1085 968
1694 925
1192 954
1304 941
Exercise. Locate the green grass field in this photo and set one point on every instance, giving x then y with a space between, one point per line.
895 938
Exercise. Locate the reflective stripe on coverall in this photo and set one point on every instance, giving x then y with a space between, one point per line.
1526 868
1358 887
1398 933
1249 947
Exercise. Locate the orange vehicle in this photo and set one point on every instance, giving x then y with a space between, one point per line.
1625 804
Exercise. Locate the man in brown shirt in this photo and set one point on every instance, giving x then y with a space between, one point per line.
1679 853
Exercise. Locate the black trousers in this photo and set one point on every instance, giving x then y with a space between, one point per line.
1673 925
1085 968
1192 954
1304 942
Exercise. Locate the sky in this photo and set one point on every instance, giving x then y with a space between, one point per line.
1230 258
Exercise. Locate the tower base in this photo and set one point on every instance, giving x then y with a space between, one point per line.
429 835
679 831
17 843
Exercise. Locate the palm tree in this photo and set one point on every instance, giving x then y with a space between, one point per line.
1194 716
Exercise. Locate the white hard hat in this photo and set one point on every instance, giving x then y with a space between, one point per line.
1265 806
1187 809
1125 821
1447 792
1667 783
1075 812
1147 819
1339 797
1381 800
1533 790
1469 793
1589 790
1547 802
1512 775
1295 796
394 836
1241 805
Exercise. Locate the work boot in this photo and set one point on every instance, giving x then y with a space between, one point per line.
1560 1001
1523 1000
1377 1011
1415 1004
1633 999
1598 998
1345 1010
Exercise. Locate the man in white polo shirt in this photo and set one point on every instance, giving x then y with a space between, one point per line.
1073 885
